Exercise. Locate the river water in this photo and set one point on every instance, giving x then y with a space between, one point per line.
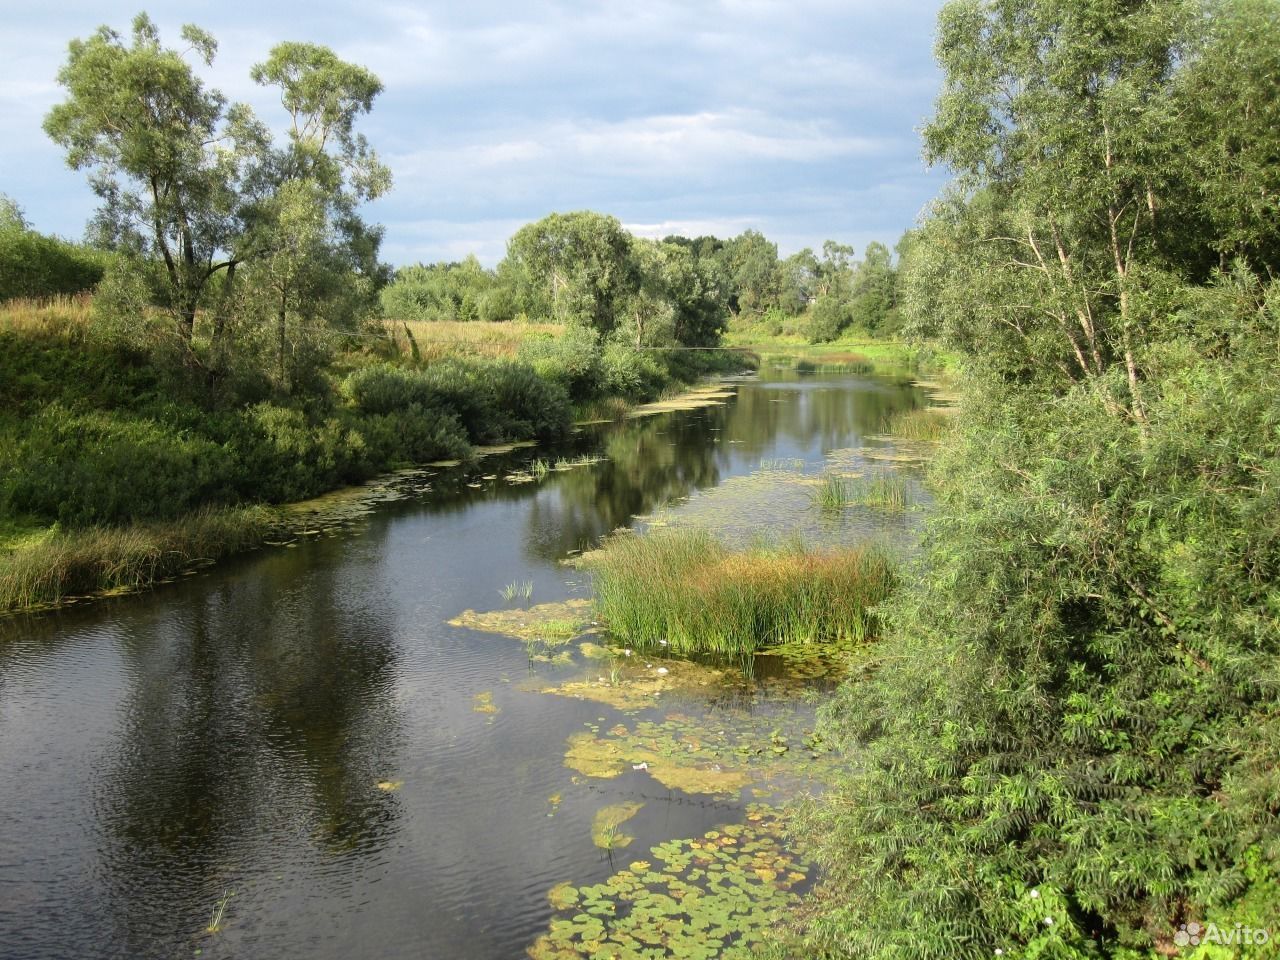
295 735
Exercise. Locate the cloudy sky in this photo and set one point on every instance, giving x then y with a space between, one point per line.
798 118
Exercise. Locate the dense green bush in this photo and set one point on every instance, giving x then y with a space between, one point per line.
35 265
827 319
571 360
1080 693
494 400
108 468
634 374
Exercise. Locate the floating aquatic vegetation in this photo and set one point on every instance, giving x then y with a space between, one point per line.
561 659
719 754
333 511
484 703
696 898
783 463
389 786
605 832
639 683
691 400
550 623
496 449
571 463
606 758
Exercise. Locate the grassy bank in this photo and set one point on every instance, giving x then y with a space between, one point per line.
116 443
881 352
684 590
60 565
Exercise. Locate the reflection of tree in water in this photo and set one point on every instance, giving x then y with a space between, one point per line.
815 412
257 712
657 460
651 461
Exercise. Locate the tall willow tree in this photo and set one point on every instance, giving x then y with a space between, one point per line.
1069 744
199 189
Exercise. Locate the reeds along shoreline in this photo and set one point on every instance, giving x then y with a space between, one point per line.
108 559
926 423
684 590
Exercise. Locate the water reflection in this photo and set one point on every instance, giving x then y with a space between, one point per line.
231 731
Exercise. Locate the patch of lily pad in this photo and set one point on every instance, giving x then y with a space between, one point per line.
718 895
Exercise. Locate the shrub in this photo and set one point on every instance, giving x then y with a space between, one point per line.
99 468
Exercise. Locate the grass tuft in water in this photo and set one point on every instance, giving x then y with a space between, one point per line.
219 911
683 589
520 590
883 490
923 424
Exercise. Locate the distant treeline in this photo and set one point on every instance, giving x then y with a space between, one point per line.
585 268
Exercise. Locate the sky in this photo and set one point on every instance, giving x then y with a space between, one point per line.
798 118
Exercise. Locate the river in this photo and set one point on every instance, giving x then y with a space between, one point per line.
296 749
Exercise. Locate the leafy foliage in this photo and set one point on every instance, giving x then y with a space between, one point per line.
1069 746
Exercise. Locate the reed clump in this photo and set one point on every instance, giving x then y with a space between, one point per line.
103 559
923 424
884 491
690 593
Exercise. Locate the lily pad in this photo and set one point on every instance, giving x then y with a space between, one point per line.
709 900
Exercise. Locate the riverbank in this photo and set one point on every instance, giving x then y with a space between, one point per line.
120 472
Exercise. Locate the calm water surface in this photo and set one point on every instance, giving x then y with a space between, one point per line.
229 732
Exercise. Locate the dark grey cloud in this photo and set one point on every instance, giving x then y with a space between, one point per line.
796 118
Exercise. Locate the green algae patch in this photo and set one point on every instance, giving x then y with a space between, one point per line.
605 832
773 750
497 449
711 896
694 399
607 757
483 703
562 896
548 623
634 683
339 508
